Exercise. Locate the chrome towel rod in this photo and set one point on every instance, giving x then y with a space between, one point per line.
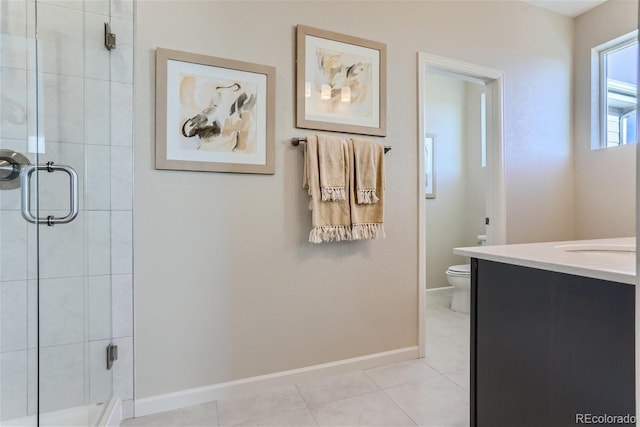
295 141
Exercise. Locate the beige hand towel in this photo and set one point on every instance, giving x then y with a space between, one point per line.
330 220
368 164
332 165
367 220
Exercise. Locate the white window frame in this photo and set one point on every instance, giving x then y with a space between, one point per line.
599 57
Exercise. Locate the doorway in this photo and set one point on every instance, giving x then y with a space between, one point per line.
471 80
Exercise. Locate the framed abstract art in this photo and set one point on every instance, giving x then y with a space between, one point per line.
214 114
341 82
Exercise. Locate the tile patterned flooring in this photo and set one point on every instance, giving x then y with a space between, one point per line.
433 391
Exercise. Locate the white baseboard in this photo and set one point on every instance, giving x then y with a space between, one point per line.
196 396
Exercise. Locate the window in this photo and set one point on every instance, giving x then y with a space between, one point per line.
617 83
483 128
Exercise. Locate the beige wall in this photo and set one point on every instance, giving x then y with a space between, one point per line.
227 286
456 215
605 178
445 117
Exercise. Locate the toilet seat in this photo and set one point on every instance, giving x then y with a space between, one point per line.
459 270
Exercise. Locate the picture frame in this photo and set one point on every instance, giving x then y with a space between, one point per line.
429 166
214 114
341 82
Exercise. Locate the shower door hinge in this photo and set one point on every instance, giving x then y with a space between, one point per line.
112 355
109 37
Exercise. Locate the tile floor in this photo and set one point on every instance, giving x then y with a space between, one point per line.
433 391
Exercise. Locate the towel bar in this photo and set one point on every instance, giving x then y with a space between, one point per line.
295 141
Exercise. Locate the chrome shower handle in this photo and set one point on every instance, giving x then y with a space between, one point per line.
25 182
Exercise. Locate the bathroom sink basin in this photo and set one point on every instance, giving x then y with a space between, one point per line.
602 248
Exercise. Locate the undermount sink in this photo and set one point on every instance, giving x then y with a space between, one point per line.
602 248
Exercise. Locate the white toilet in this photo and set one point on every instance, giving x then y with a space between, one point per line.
459 276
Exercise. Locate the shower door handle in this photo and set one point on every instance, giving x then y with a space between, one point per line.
25 183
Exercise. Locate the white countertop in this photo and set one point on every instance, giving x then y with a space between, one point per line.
606 259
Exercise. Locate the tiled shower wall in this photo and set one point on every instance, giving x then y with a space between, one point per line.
85 102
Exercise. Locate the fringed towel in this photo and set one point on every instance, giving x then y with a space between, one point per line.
368 166
367 201
332 164
331 220
346 219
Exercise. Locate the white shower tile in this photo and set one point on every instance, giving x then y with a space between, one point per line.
100 379
256 406
122 297
98 186
61 249
31 19
13 120
54 187
13 316
13 385
35 109
63 101
122 55
98 240
123 369
433 402
121 178
122 9
13 246
336 387
32 314
17 25
13 51
32 381
10 199
121 242
99 312
70 4
60 35
100 7
96 112
62 375
97 58
61 311
371 409
121 114
400 373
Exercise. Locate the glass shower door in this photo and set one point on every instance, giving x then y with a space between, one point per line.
55 215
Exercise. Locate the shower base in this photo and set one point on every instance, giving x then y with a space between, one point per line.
108 414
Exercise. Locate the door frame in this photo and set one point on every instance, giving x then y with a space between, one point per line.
493 80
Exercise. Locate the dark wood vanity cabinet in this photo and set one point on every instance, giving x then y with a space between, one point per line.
548 348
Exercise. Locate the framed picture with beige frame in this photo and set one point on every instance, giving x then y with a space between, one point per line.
214 114
341 82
